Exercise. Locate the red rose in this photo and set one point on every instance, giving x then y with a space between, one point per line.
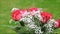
45 16
33 10
16 15
57 24
23 13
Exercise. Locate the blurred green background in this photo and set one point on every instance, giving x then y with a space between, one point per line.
52 6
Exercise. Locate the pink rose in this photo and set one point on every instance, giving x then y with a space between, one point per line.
23 12
57 24
33 10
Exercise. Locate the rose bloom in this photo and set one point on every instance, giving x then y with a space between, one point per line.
57 23
45 17
33 11
15 15
23 12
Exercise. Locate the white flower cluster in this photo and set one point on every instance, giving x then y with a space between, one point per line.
38 30
49 26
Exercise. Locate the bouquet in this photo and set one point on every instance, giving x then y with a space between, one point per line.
33 21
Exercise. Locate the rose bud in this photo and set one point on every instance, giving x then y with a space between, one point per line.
57 23
45 17
15 15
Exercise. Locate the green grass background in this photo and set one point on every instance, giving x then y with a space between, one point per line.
52 6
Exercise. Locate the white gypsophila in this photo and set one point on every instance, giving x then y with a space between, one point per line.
32 26
27 19
29 16
37 15
38 30
49 26
14 9
28 22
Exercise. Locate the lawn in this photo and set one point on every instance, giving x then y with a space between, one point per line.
52 6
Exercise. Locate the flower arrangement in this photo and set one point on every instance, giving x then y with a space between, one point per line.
34 21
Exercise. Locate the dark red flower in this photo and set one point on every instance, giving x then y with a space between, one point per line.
45 16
